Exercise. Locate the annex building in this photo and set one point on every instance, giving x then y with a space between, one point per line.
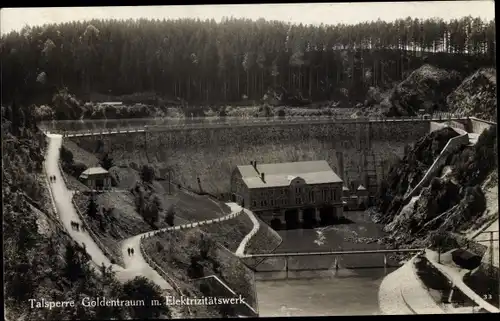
308 192
96 178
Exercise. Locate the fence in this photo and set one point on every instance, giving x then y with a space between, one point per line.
155 266
162 273
223 290
114 258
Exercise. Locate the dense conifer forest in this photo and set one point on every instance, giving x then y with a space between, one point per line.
234 60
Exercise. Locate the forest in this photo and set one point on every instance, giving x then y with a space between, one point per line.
235 60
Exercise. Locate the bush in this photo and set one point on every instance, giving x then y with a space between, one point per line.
147 174
76 169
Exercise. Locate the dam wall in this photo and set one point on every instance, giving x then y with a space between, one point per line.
352 149
477 125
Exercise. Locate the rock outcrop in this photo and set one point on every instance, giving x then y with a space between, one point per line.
425 88
449 205
476 95
409 171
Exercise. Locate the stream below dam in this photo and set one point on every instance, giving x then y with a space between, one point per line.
313 287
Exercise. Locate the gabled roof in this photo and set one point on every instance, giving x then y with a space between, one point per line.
344 188
282 174
361 188
93 171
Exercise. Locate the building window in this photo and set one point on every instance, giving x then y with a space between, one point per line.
298 200
311 196
265 203
282 192
272 202
254 203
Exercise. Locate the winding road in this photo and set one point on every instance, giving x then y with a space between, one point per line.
135 265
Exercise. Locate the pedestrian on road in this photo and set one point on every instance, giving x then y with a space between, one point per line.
77 225
132 251
128 250
72 225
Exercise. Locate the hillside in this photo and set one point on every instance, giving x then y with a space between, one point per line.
197 255
408 171
477 95
449 204
425 88
40 258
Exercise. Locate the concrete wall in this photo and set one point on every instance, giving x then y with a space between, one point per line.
452 145
477 126
211 154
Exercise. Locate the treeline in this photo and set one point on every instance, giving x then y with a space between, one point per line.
236 59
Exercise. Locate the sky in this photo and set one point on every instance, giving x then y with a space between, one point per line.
307 13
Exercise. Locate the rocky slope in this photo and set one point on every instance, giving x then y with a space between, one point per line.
409 171
476 95
448 205
425 88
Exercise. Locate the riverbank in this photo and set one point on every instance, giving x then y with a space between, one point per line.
402 292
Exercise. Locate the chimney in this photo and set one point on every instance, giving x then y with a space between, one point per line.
263 177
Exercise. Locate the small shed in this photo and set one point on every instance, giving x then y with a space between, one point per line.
345 191
363 195
96 178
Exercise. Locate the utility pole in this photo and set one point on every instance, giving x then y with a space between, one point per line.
169 181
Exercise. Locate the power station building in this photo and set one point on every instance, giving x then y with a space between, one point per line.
289 192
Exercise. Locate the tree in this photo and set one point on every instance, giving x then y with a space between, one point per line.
106 162
92 208
76 262
170 216
66 155
147 174
142 289
151 210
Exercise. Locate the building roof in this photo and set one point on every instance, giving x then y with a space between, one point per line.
93 171
361 188
281 174
344 188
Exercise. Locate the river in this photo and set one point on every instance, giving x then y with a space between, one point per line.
350 290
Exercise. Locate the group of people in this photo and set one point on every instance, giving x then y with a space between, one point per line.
130 251
53 178
76 226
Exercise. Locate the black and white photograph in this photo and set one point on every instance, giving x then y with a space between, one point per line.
249 160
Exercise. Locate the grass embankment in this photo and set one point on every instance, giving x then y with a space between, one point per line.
193 254
230 233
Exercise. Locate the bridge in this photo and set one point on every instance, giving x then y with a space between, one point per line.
337 254
124 126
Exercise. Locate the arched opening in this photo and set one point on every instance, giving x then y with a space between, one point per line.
276 224
326 215
308 218
233 198
291 219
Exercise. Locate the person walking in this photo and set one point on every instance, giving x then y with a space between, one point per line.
132 251
128 250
